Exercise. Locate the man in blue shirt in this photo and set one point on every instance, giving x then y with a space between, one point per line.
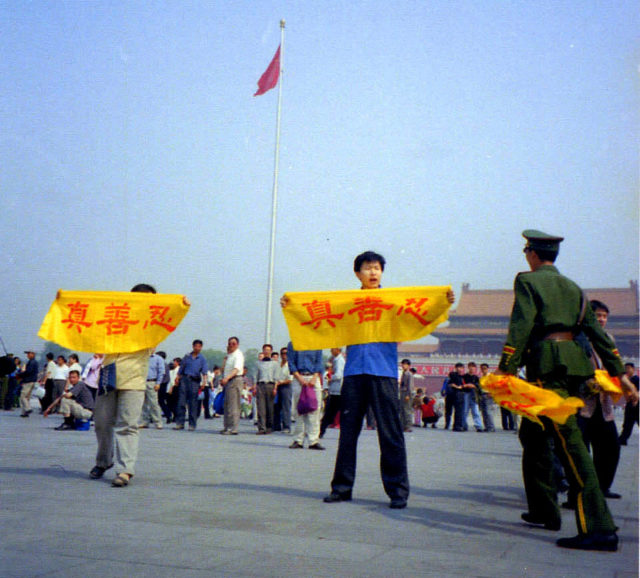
371 379
192 374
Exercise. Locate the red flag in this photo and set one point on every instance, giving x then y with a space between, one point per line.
270 76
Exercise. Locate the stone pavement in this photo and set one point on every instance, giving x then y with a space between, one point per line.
210 505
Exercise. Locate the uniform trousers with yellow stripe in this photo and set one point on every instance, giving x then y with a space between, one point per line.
538 445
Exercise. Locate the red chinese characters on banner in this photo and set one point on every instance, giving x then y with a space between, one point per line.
117 319
158 316
77 316
414 307
369 308
320 311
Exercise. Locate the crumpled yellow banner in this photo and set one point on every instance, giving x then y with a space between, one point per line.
324 319
608 384
111 321
529 400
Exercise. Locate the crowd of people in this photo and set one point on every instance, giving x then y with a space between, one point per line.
126 392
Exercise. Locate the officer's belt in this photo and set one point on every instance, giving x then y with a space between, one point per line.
559 336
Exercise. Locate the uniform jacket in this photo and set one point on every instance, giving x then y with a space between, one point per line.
548 302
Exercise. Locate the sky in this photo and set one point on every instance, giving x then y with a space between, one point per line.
132 150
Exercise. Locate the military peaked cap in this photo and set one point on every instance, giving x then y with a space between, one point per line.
537 240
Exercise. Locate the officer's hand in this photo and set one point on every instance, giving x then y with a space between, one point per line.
284 301
451 296
630 392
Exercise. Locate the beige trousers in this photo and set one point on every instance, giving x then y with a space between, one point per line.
25 396
308 424
71 408
116 417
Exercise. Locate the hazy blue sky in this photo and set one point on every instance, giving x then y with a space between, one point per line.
132 149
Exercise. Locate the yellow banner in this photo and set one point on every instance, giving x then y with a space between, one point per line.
111 321
529 400
608 384
324 319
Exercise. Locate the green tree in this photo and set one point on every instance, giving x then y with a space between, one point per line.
213 357
50 346
251 361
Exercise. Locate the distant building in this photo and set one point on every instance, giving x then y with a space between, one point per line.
478 326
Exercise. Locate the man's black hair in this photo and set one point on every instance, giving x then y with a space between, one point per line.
459 364
143 288
75 371
267 345
595 305
50 356
629 364
368 257
472 364
196 341
233 337
74 356
407 361
161 354
546 255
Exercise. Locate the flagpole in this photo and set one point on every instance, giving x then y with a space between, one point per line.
274 199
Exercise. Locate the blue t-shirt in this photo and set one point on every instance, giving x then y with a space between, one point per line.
379 359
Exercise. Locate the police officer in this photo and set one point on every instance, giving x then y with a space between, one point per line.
548 313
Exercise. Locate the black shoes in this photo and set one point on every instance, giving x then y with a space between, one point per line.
595 541
68 423
316 446
398 504
554 526
335 497
296 446
97 472
612 495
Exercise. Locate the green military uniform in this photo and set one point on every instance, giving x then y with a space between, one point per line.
548 312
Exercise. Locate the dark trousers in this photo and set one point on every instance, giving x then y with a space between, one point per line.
432 420
331 409
449 403
188 399
630 418
47 399
508 422
265 405
460 419
360 392
602 437
538 444
282 409
164 401
206 402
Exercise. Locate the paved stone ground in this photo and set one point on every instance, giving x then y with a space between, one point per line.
207 505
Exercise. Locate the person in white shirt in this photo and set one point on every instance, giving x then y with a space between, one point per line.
232 382
60 375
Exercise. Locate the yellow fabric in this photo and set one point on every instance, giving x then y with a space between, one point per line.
324 319
111 321
608 384
529 400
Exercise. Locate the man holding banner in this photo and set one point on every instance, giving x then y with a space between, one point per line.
548 312
370 322
125 327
